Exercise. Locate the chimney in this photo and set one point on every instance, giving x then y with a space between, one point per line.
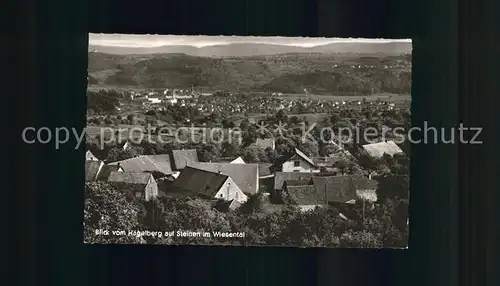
370 176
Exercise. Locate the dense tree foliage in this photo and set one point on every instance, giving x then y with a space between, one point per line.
371 225
102 100
108 209
322 227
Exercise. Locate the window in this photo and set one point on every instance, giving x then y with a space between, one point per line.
296 163
221 195
296 171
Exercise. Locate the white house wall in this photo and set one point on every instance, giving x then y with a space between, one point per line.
304 167
231 191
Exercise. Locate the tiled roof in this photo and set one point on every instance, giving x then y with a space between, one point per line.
106 171
377 150
199 181
184 157
132 178
281 177
306 195
336 188
145 164
92 169
162 161
244 175
343 188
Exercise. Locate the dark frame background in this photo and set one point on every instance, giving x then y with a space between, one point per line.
48 192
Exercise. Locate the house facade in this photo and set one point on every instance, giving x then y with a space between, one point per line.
298 162
207 184
230 191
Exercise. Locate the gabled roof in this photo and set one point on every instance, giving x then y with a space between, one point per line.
298 153
244 175
238 160
298 182
92 169
145 164
132 178
199 181
184 157
162 161
343 188
377 150
265 143
336 188
106 171
280 177
304 156
306 195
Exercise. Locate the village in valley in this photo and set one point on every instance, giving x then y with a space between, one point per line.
187 158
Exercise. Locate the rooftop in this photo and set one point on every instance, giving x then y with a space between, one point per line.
377 150
132 178
243 175
199 181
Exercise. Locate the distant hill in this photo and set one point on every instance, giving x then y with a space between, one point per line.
318 72
244 50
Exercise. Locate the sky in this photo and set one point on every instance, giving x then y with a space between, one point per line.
152 41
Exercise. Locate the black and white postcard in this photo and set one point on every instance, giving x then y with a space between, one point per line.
248 141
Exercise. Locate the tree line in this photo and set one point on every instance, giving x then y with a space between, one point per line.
365 224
